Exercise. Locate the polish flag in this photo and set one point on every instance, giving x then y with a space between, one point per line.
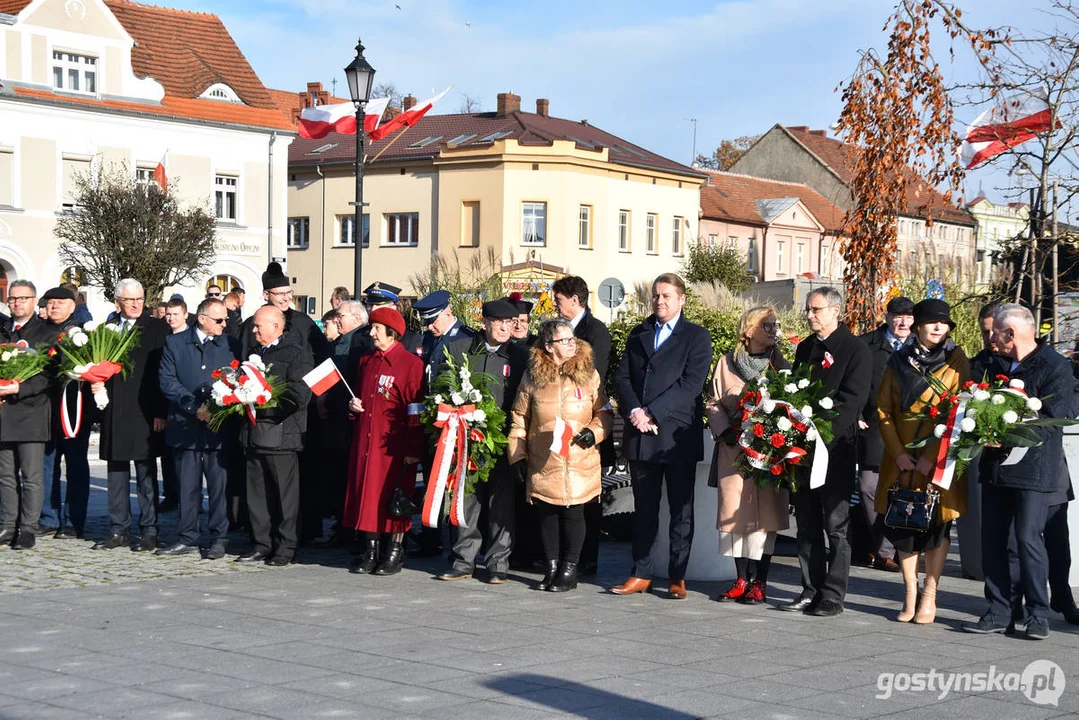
563 435
321 120
160 176
409 117
1012 121
323 377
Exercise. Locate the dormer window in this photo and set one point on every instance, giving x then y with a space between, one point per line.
74 73
221 92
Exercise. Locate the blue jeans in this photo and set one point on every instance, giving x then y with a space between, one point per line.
70 507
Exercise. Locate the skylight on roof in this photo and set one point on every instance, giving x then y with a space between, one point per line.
324 148
632 151
583 143
496 135
462 138
426 141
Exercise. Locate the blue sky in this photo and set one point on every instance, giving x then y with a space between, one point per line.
637 69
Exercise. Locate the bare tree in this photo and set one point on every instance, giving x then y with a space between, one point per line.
122 229
470 104
727 154
388 89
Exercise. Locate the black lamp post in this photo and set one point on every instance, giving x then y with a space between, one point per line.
361 78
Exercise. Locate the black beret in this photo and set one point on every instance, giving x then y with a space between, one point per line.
901 306
274 277
500 310
58 293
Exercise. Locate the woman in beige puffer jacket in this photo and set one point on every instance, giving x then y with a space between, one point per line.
561 385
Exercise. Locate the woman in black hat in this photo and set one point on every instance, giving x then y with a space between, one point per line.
903 390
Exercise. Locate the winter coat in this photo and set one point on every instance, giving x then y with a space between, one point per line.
897 432
743 506
299 329
280 429
592 330
185 379
384 434
506 366
26 415
135 399
872 447
574 392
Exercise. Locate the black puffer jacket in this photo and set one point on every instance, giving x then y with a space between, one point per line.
280 429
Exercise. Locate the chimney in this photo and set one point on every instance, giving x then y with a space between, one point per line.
543 107
508 103
819 133
409 102
798 128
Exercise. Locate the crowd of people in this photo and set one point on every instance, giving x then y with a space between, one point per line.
354 453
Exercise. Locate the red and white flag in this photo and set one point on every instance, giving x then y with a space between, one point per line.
409 117
321 120
160 176
563 437
1012 121
323 377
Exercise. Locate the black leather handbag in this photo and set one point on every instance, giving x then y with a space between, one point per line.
401 505
910 509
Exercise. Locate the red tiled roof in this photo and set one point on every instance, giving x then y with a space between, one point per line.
291 103
731 197
13 7
921 197
526 128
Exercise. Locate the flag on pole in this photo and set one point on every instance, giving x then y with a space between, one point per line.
323 377
563 437
1012 121
409 117
321 120
160 176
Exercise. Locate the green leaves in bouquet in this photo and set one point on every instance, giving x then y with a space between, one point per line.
24 363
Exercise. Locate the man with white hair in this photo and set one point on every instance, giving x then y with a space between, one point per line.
132 423
1021 493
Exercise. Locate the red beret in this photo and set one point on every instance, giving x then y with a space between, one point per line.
390 318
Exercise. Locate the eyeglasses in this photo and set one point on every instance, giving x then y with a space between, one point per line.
817 310
280 293
19 298
213 295
564 342
500 323
219 321
772 326
130 301
519 322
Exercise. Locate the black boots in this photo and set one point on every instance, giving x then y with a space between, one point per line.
567 578
548 579
392 560
368 559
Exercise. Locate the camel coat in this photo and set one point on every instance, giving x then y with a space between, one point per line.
574 392
744 508
897 431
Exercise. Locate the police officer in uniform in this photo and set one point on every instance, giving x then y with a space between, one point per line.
382 294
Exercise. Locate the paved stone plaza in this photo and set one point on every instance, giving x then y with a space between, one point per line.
122 635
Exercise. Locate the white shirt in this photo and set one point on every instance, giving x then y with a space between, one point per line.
577 320
200 335
491 348
664 331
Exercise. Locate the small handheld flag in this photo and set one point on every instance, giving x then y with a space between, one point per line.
324 377
563 437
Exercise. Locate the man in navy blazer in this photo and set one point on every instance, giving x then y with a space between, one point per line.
187 364
659 384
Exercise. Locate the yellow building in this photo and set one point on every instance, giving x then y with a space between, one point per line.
530 187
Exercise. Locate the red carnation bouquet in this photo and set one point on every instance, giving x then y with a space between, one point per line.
242 388
784 421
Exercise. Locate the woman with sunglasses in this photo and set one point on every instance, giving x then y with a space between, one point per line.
558 418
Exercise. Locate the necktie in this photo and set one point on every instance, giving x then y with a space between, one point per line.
127 325
659 335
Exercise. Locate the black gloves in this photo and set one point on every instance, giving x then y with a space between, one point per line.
586 439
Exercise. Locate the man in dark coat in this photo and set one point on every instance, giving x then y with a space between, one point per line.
658 384
505 361
186 378
882 342
132 423
571 301
1022 492
273 443
299 328
442 328
24 426
844 366
71 507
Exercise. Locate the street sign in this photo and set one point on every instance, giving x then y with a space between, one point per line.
611 293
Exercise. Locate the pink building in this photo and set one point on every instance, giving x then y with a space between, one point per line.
783 229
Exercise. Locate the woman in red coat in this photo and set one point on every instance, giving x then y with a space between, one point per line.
386 444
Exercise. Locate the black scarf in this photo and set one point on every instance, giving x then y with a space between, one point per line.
912 362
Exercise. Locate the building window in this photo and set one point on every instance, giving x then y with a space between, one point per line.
73 274
779 256
713 240
299 229
825 261
7 177
584 227
534 223
623 231
144 176
74 73
676 235
72 169
732 241
347 235
650 222
470 224
751 256
800 257
402 229
225 198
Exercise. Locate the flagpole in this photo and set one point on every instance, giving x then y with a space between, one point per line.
391 142
336 370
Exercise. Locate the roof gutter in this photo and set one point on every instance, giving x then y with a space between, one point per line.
6 19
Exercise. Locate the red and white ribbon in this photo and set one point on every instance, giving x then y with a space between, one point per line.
71 429
91 373
944 470
254 374
818 472
452 445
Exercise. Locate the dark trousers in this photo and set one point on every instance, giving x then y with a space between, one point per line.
593 520
236 489
527 548
561 531
1028 510
21 505
70 506
170 476
823 514
334 482
1059 554
496 496
273 501
648 480
192 466
311 473
119 485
